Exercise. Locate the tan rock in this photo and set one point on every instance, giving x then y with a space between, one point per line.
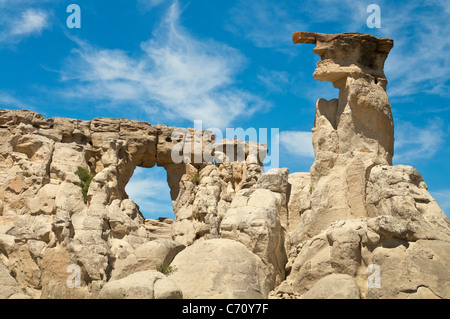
147 256
334 286
220 269
254 220
8 285
141 285
351 134
299 198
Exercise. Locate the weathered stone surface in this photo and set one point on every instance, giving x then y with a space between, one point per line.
351 134
346 53
299 198
400 194
147 256
47 223
349 246
253 219
334 286
203 196
360 210
141 285
9 287
220 269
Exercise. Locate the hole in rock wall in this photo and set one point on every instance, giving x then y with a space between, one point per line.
149 190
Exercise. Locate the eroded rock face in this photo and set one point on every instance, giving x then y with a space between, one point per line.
148 284
238 232
353 133
220 269
364 214
47 223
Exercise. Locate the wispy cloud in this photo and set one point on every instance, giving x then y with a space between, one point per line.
149 4
176 74
412 142
270 26
419 61
31 22
11 102
297 143
273 80
17 26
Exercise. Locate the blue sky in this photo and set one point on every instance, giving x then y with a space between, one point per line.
228 63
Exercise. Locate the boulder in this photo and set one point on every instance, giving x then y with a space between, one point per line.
147 256
334 286
220 269
148 284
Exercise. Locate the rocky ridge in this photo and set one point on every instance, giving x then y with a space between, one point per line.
239 232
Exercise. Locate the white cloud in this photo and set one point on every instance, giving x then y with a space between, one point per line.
31 22
149 4
19 26
176 74
419 61
413 142
297 143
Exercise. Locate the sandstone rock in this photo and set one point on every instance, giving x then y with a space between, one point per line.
8 285
347 247
220 269
7 244
253 219
275 180
400 192
147 256
141 285
410 269
351 134
157 229
56 272
298 198
334 286
346 53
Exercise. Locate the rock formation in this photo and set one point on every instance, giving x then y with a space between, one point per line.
47 223
361 211
354 227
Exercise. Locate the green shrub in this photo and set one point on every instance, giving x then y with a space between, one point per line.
195 178
85 180
165 269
